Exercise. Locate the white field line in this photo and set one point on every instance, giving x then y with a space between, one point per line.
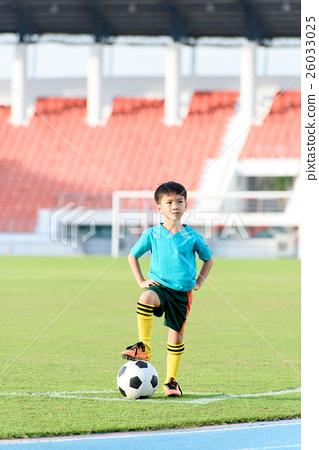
198 401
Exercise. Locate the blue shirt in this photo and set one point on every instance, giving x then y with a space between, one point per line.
173 259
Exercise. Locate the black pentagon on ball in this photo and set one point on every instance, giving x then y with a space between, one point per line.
154 381
135 382
141 364
122 370
122 392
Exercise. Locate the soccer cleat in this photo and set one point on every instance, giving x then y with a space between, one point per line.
172 389
138 351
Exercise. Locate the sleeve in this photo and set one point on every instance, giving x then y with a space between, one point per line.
202 249
142 245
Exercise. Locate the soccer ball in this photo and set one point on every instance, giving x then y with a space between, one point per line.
137 379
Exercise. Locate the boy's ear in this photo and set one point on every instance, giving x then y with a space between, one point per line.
158 207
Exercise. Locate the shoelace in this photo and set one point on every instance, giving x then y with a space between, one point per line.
172 384
136 347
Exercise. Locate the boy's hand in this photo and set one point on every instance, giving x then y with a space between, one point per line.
147 283
196 287
204 271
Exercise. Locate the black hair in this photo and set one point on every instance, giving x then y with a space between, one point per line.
170 187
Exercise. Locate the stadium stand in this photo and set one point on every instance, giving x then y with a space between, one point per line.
59 153
280 134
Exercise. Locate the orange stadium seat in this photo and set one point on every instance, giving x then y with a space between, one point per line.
280 134
58 152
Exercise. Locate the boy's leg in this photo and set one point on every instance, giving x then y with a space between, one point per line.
175 350
145 306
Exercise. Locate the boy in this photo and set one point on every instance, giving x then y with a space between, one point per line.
172 278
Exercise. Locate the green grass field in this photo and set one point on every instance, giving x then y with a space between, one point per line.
242 337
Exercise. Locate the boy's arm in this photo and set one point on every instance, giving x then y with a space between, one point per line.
207 265
137 272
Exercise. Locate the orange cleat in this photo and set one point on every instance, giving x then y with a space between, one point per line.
138 351
172 389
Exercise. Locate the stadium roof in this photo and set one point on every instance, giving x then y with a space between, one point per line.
183 20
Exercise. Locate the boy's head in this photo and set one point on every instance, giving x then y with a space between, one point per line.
169 188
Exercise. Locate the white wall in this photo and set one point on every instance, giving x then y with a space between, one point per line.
147 87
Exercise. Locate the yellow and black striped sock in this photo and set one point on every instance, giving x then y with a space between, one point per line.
145 322
174 359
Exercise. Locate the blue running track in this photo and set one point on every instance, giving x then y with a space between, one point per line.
253 436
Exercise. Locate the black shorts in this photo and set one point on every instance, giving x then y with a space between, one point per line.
175 305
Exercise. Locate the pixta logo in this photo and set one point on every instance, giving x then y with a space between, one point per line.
65 223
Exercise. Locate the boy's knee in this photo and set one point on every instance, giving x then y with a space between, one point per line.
150 298
175 338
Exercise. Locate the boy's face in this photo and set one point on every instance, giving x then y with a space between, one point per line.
172 206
